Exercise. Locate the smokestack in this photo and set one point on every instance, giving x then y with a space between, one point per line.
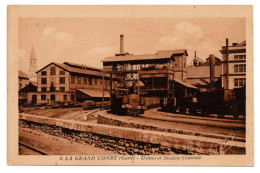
212 68
121 44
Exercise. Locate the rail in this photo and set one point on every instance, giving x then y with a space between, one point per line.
33 149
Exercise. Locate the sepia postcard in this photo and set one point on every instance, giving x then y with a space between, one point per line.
130 85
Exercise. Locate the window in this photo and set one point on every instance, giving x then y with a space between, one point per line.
73 79
43 97
62 80
241 82
236 68
240 68
85 79
44 80
90 81
239 56
44 73
72 96
62 88
53 97
79 80
44 89
62 72
238 82
101 80
96 82
52 88
65 97
53 71
242 57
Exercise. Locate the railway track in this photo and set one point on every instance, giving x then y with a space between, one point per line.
35 150
209 118
195 120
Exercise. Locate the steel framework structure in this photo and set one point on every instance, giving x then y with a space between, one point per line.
149 78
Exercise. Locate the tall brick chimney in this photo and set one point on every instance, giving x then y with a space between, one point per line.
212 68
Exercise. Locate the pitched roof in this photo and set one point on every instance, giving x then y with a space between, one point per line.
185 83
172 52
22 74
243 43
74 69
81 66
198 81
29 88
94 92
134 58
32 56
164 54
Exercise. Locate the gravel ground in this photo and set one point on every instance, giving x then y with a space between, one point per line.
64 113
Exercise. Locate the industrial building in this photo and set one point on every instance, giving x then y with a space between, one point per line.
148 79
67 83
234 65
198 74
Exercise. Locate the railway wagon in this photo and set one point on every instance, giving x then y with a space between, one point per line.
218 101
222 102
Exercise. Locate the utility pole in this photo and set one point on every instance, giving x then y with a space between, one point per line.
103 88
227 74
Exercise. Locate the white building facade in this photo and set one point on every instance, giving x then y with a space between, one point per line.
234 66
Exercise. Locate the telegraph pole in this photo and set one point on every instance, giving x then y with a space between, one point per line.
227 61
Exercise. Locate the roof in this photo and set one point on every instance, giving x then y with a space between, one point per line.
29 88
207 63
94 92
172 52
134 58
165 54
32 56
81 66
237 48
202 71
198 81
75 69
185 84
243 43
22 74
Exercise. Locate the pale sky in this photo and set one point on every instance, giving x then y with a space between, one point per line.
88 40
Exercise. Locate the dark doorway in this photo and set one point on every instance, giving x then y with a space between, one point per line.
34 99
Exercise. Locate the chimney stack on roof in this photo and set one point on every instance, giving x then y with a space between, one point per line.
121 44
212 68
